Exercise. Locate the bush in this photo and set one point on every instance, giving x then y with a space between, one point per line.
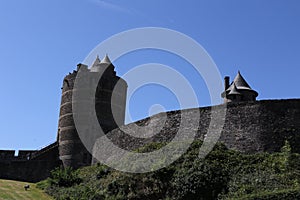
42 185
287 194
222 174
64 177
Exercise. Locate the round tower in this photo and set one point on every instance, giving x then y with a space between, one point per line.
71 150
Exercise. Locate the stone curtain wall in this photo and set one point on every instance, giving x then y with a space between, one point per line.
263 125
33 170
249 126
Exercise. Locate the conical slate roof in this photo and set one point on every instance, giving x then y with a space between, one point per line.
106 60
96 64
97 61
99 65
234 90
240 83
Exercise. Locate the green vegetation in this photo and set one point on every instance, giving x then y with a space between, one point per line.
61 177
223 174
14 190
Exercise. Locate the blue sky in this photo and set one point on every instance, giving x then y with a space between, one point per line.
41 41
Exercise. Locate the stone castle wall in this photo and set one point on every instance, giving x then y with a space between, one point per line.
263 126
31 169
249 126
22 154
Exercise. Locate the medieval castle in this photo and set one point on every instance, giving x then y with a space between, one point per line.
250 125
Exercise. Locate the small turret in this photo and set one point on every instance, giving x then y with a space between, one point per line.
239 90
96 65
103 66
106 60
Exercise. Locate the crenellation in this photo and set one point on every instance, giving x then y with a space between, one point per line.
7 154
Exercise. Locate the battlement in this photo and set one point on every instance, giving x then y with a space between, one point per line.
7 154
29 165
10 155
24 155
44 150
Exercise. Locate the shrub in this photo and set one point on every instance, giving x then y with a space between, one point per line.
64 177
222 174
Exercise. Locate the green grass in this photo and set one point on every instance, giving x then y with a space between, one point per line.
14 190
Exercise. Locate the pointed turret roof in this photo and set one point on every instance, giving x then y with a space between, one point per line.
100 65
96 64
240 83
97 61
234 90
106 60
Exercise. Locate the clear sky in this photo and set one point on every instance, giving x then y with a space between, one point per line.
41 41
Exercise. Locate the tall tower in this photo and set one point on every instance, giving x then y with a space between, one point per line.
239 90
71 150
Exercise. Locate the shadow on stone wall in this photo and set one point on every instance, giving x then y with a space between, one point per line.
33 170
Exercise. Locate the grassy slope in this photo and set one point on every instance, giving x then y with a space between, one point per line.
14 190
223 173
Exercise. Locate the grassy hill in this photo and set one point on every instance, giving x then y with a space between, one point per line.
223 174
14 190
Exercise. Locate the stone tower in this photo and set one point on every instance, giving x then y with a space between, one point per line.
239 90
72 152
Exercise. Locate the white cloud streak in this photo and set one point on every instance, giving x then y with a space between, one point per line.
113 7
